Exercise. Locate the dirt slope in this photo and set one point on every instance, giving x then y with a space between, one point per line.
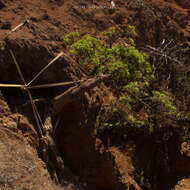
51 19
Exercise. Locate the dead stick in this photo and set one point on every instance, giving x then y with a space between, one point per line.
48 65
53 84
157 52
34 108
12 85
17 27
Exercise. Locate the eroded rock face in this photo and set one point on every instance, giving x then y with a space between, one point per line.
31 57
125 167
85 154
20 167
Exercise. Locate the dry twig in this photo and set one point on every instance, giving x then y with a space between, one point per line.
17 27
48 65
155 51
34 108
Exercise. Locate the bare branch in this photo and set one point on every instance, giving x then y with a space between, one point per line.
17 27
158 52
48 65
54 84
12 85
34 108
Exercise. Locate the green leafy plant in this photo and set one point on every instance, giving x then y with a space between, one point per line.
131 73
109 35
162 98
131 31
70 37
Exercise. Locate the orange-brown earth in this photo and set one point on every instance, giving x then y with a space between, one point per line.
93 162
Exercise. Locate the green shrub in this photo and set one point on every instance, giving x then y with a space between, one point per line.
131 73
